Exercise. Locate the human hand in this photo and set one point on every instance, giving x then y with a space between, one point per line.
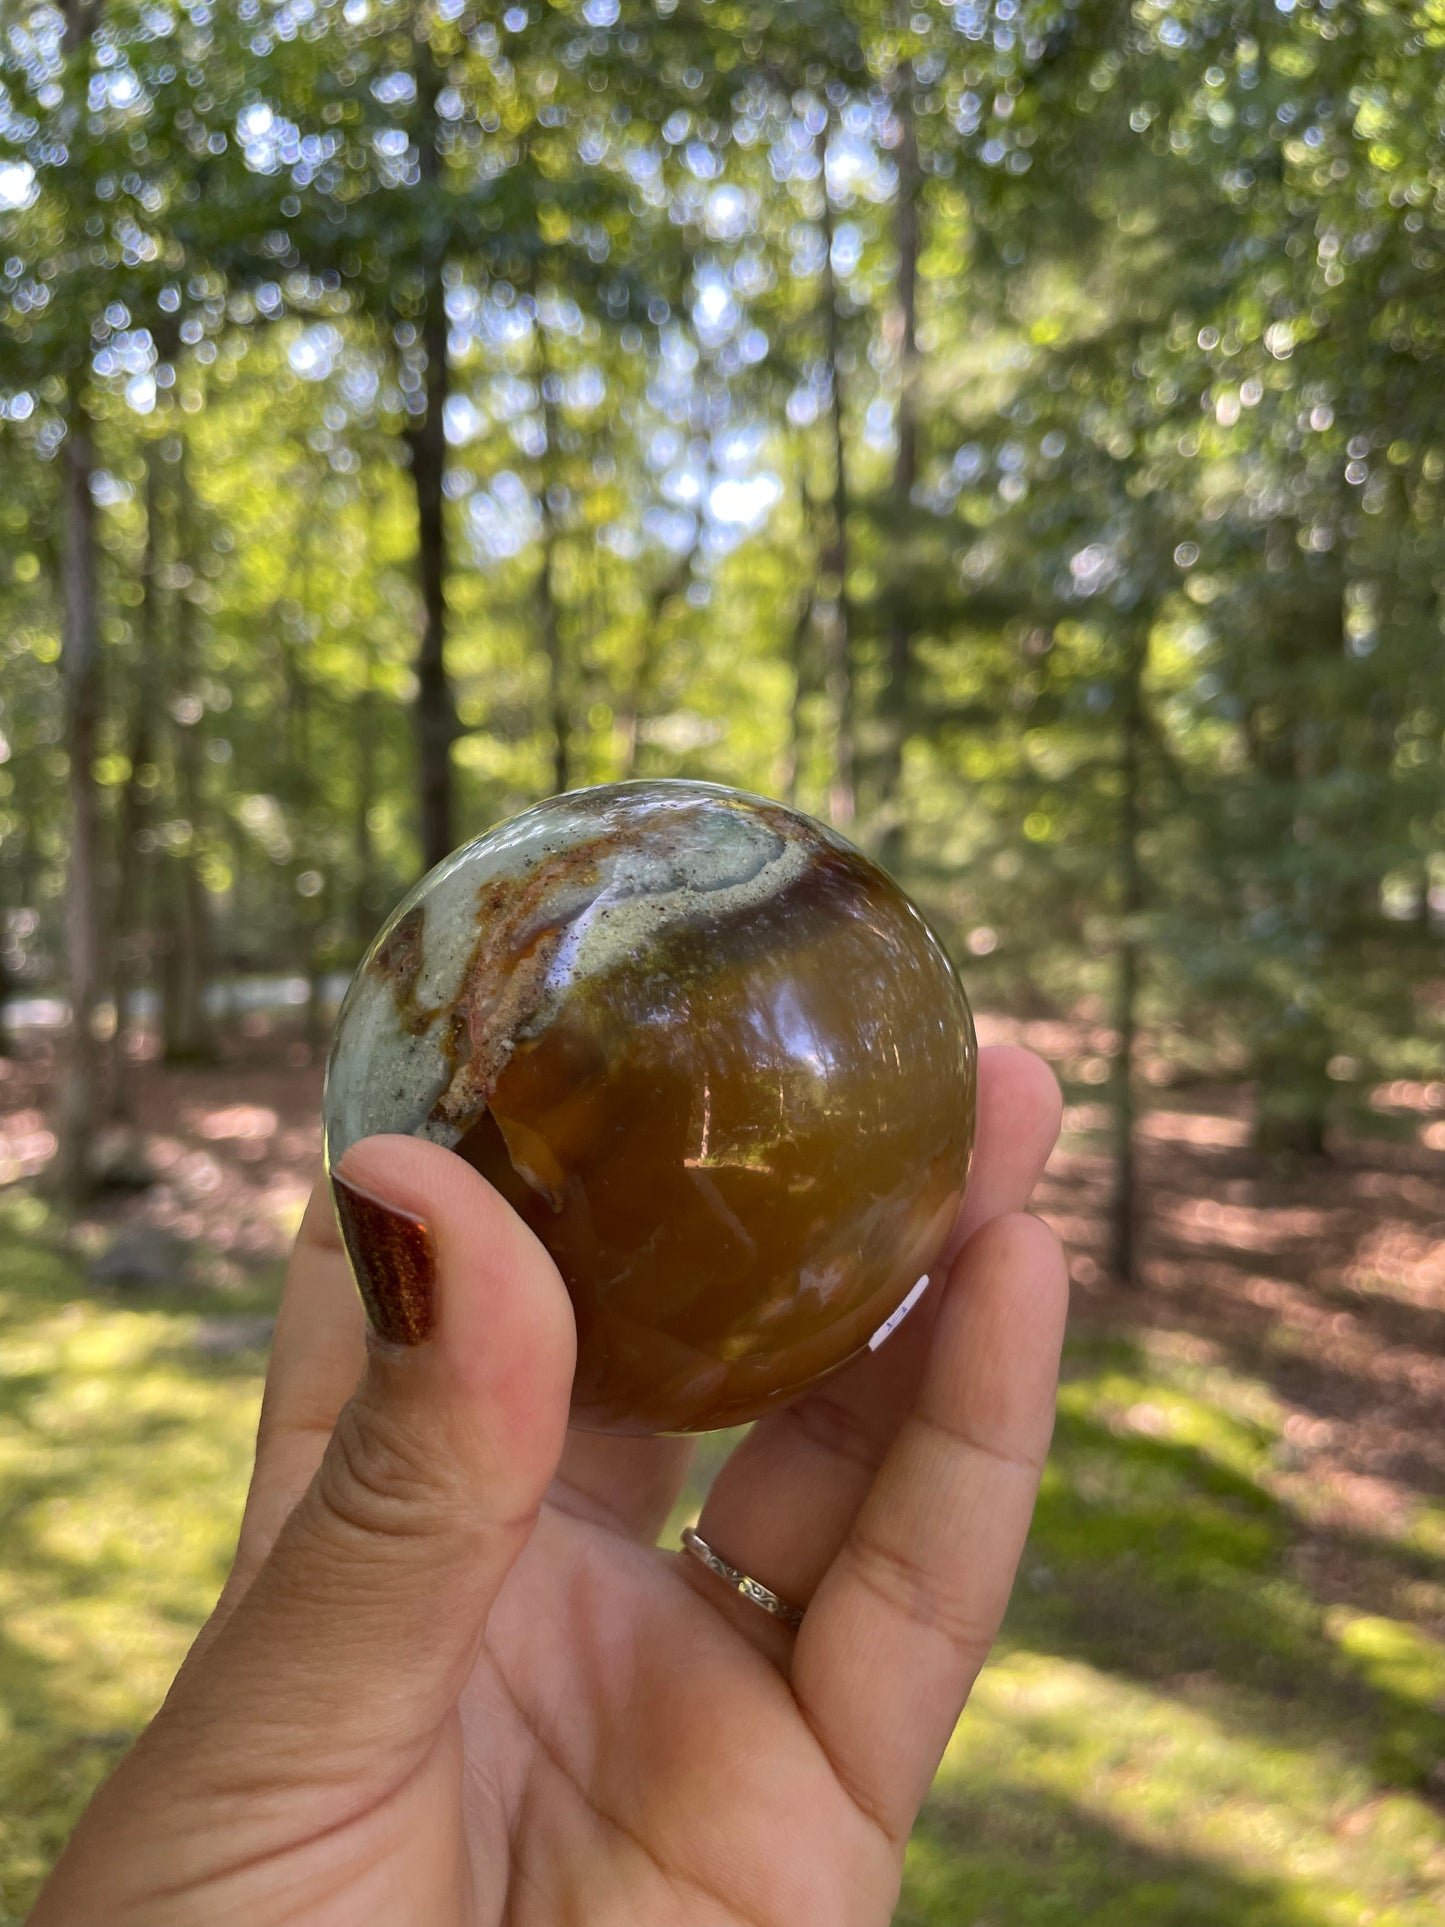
451 1682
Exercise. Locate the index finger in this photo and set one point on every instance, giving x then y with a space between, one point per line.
316 1361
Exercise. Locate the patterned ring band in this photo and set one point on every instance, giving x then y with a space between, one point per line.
739 1581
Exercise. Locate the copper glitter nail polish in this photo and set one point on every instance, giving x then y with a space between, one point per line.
394 1260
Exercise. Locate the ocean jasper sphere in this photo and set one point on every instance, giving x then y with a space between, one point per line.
713 1056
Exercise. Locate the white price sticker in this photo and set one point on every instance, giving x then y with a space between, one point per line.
896 1318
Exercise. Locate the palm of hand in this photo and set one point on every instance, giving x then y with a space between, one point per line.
451 1681
620 1752
630 1756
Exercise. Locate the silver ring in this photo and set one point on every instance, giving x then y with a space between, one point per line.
751 1589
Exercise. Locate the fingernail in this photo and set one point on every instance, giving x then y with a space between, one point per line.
394 1261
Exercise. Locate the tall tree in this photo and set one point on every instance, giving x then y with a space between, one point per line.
135 864
898 666
80 657
187 947
834 604
1128 948
436 719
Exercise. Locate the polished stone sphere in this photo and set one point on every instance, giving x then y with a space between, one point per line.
714 1057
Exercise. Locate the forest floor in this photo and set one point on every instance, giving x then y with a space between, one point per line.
1220 1694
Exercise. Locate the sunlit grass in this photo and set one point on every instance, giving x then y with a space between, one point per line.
1073 1794
124 1452
1176 1731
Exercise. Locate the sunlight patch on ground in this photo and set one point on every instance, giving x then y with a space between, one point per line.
1205 1811
237 1121
124 1453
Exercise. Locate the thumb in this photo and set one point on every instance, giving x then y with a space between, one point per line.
352 1642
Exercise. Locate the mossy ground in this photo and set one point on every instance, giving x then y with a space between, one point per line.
1180 1728
126 1427
1176 1730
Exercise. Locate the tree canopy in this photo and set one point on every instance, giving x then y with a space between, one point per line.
1011 428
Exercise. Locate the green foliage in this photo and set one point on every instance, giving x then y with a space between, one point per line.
1178 453
1175 449
1176 382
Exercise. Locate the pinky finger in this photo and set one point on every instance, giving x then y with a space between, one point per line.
904 1617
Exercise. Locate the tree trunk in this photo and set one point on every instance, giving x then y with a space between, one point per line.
634 701
7 988
628 716
1293 1052
79 24
436 723
802 678
801 657
190 957
557 705
897 689
1293 1103
316 1029
547 622
435 710
309 909
13 879
133 865
835 616
9 881
183 1029
80 1074
77 1095
1126 1012
364 915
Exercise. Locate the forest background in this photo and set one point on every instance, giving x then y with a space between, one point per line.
1013 430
